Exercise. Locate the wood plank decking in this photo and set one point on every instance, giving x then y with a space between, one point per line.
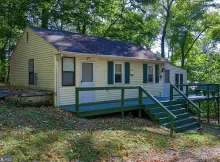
134 102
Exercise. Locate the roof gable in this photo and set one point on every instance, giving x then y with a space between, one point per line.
73 42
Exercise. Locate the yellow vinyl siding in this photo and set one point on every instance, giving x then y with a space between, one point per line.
67 93
43 54
174 70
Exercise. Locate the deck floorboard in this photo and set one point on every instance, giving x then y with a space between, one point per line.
116 104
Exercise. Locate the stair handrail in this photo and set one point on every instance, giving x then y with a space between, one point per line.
187 99
157 102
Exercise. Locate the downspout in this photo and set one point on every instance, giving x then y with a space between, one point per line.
57 82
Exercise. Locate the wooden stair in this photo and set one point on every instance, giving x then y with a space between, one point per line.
182 123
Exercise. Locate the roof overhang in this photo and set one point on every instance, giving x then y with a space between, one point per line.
110 57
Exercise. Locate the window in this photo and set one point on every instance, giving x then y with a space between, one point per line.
31 71
167 76
68 73
179 80
27 37
118 73
150 74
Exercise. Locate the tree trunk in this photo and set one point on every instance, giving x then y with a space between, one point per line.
44 18
164 32
182 57
163 39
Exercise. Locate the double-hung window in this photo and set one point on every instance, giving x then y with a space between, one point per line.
31 71
118 73
68 71
150 74
179 80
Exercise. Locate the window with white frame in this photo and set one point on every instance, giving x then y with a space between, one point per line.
68 71
118 73
31 71
150 74
179 80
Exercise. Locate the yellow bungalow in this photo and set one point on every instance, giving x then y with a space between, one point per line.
59 61
83 70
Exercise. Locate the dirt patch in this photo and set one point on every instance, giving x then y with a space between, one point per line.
198 155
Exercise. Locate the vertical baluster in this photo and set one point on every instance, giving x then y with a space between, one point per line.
122 96
187 90
77 99
171 92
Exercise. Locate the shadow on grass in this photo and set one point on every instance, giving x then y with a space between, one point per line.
51 134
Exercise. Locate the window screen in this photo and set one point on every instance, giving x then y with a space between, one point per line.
118 73
68 73
31 71
150 73
176 78
167 76
87 72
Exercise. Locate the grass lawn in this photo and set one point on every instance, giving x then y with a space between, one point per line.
50 134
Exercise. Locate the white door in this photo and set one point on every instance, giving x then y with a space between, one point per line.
87 80
167 83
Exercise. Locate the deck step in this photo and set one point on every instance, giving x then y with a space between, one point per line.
163 114
179 122
167 118
185 127
174 107
178 111
183 121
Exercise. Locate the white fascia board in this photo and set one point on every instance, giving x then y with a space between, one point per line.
110 57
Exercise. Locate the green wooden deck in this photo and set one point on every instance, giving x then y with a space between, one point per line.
115 106
111 105
171 112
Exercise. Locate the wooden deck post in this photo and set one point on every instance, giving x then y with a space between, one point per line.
122 114
140 96
139 113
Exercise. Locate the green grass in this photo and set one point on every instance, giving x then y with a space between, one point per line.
50 134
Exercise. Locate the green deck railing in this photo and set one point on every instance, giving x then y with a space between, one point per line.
198 88
206 89
140 89
199 111
168 112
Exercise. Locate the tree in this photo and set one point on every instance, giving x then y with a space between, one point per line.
166 5
188 26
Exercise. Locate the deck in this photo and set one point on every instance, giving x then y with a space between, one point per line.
172 111
130 105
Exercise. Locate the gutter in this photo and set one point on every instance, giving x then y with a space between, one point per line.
109 56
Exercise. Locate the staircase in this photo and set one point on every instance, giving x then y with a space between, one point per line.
183 121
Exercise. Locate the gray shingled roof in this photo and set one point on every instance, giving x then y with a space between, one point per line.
73 42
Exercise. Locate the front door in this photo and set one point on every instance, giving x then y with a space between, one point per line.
167 83
87 80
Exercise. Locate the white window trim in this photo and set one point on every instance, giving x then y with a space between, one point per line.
153 73
122 70
179 79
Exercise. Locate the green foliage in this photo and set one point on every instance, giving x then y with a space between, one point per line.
182 24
